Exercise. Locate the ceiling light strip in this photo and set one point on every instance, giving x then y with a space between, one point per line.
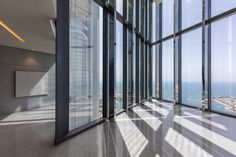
11 31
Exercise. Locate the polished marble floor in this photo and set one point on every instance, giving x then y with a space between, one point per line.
153 129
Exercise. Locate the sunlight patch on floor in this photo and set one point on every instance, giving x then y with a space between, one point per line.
184 146
219 140
132 136
39 115
214 124
158 109
154 122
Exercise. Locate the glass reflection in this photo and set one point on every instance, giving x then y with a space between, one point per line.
142 71
134 67
154 70
85 90
130 70
130 10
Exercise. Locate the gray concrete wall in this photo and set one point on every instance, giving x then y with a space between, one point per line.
13 59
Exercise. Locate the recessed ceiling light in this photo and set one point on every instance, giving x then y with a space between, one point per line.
11 31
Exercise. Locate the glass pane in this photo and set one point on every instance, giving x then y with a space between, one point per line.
154 67
220 6
167 17
119 6
130 70
85 63
138 14
191 12
148 73
154 22
130 10
192 68
143 5
168 70
134 68
142 71
111 52
148 20
137 78
157 71
155 32
135 14
119 68
139 69
223 65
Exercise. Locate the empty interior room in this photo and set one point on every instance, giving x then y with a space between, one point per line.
117 78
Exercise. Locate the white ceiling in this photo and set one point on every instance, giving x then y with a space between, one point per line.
30 20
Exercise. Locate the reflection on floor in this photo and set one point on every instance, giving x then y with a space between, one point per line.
153 129
23 134
39 115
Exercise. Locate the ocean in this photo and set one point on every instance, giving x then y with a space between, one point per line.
192 94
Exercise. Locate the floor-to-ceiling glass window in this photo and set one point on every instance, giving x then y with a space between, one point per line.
192 68
220 6
119 68
168 70
189 48
96 81
223 63
86 64
191 12
167 17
